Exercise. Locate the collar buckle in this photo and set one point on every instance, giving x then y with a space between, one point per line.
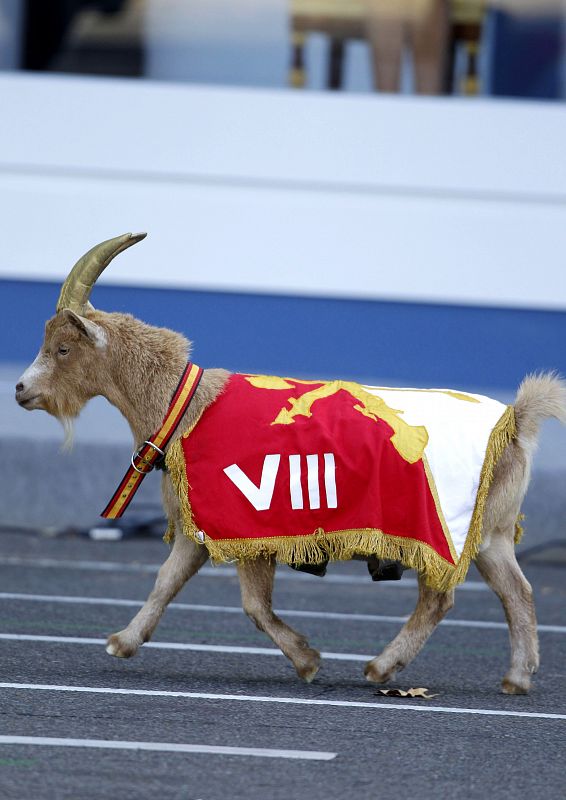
149 461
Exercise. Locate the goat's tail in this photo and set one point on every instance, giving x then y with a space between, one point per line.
539 396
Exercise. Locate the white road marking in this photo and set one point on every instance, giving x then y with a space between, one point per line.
218 572
197 648
301 701
170 747
55 563
203 609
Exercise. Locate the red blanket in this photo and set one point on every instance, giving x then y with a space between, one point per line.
312 471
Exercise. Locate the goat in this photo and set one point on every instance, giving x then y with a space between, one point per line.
136 367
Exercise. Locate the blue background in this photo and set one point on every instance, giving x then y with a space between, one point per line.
405 343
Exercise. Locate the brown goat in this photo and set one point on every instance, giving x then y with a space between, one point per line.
87 353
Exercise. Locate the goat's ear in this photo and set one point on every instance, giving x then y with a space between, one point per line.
89 329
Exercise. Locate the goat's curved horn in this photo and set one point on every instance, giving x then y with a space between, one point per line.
78 286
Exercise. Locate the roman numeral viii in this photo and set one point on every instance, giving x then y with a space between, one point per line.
261 496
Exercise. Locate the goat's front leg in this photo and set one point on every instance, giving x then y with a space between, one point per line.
256 584
185 559
430 609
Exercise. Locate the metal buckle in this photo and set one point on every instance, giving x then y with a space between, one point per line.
157 463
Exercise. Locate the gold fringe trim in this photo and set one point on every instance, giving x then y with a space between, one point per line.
503 433
519 530
342 545
169 534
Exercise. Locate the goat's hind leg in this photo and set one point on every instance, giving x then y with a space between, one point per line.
256 584
499 568
430 609
185 559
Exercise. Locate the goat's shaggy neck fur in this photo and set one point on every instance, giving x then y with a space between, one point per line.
143 367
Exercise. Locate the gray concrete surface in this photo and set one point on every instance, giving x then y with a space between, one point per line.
388 751
42 487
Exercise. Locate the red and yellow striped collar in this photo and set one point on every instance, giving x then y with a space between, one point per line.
152 451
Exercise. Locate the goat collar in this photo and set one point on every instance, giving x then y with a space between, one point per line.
152 452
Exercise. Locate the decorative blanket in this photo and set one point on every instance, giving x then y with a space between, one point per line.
309 470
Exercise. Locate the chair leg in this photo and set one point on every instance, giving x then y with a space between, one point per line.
297 75
336 64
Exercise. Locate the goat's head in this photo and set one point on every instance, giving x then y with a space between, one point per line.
63 376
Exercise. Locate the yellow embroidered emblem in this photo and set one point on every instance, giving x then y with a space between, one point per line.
409 440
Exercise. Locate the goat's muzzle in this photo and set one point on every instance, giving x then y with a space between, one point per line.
26 399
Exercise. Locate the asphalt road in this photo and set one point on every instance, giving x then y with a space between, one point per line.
470 741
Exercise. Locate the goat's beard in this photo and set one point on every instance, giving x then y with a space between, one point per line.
68 424
66 415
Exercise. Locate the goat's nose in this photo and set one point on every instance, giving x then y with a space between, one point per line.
19 387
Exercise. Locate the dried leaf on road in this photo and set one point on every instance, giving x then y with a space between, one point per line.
420 692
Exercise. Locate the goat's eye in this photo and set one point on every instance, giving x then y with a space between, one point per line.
62 351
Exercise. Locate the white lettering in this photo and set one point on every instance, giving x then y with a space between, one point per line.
312 479
295 487
259 496
330 480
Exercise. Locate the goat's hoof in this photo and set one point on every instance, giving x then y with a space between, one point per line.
309 665
120 646
376 674
515 687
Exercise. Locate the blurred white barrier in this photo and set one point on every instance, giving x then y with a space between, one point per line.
355 196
